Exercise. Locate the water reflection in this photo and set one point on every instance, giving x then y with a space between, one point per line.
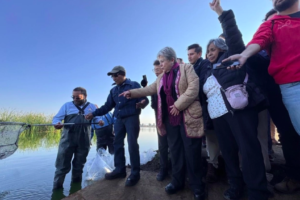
28 173
34 140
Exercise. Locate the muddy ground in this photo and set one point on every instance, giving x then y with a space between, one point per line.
149 188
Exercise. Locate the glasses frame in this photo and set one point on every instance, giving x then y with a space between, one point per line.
75 97
115 75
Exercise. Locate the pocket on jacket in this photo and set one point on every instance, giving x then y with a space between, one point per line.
194 110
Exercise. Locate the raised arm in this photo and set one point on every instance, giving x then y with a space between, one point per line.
142 101
108 106
140 92
233 36
262 40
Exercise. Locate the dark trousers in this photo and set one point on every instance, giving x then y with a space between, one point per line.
73 145
184 152
238 133
289 138
131 126
163 152
163 149
105 137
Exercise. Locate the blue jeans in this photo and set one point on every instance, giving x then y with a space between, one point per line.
291 99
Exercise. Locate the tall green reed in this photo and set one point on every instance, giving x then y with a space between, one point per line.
9 115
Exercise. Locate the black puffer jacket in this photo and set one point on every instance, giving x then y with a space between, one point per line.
236 45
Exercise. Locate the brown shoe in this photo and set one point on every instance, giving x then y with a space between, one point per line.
211 176
288 186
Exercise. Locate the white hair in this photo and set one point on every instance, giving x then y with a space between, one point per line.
168 53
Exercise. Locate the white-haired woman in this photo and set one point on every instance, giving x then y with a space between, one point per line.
179 117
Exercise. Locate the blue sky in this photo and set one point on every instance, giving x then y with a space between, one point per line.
49 47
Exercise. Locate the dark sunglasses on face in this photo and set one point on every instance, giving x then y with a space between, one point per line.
115 75
75 97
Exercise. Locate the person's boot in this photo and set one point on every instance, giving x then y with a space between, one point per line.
163 173
233 193
211 175
287 186
58 182
199 194
111 149
76 178
114 175
132 180
75 187
171 189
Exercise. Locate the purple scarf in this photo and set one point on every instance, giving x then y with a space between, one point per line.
167 84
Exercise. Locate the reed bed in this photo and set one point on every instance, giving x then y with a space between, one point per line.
37 136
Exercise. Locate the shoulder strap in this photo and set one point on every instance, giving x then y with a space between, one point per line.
246 79
81 110
270 50
107 119
227 104
221 88
272 25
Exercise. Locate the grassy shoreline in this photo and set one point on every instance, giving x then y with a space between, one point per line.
7 115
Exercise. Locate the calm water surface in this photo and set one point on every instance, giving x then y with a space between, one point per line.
28 173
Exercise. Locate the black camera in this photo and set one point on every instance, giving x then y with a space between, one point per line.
144 82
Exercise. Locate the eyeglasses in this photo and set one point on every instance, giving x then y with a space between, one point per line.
115 75
75 97
157 70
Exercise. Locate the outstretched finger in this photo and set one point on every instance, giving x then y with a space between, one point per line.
227 59
122 94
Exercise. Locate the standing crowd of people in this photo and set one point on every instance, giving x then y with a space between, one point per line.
229 96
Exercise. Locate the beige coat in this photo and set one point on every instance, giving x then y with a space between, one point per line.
188 89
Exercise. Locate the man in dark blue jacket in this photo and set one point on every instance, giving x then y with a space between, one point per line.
127 112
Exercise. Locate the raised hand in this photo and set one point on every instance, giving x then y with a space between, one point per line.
215 5
126 94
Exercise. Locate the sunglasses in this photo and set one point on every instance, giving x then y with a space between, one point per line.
115 75
157 70
75 97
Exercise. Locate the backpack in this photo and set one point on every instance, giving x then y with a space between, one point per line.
236 96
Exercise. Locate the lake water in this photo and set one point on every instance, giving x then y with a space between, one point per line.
28 173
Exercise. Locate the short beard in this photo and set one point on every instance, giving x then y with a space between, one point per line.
284 5
81 102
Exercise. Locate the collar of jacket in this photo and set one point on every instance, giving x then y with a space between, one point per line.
198 62
126 82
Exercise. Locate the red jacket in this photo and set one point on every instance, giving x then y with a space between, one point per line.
283 44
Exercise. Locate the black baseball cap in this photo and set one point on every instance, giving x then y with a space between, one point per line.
116 69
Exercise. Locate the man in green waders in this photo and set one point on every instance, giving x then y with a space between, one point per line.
75 139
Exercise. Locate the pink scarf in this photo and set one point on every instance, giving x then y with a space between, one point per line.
167 84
